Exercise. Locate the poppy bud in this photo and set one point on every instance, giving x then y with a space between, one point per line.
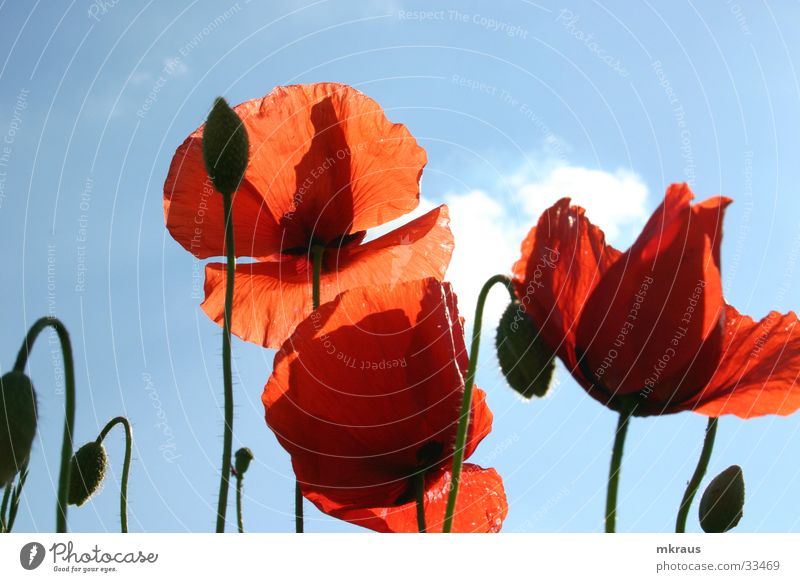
242 462
225 147
17 423
526 362
87 472
722 502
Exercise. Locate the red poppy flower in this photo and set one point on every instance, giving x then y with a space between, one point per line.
325 166
365 395
649 328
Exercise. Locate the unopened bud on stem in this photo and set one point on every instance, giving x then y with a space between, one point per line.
526 361
225 147
722 502
87 472
242 461
17 423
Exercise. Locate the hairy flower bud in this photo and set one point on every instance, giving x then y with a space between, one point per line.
17 423
225 147
242 463
526 362
722 502
87 472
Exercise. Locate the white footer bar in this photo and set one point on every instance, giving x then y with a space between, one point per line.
386 558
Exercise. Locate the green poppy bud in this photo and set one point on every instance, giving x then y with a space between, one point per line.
526 361
225 147
87 472
242 462
17 423
722 502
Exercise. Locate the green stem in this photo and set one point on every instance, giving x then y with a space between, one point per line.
227 373
697 477
317 253
239 518
419 490
466 400
4 507
69 409
15 497
126 466
298 508
13 493
614 470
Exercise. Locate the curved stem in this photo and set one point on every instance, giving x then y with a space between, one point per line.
69 409
239 519
614 470
227 374
466 400
126 466
419 490
697 477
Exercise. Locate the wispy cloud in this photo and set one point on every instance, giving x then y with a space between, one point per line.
616 201
489 224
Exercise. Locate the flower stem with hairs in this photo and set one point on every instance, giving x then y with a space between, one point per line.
12 495
126 466
69 408
317 252
227 371
466 400
697 477
615 468
419 490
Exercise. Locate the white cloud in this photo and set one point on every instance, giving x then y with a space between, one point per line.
488 230
488 238
614 201
489 227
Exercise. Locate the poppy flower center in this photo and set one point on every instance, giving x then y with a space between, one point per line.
333 249
429 457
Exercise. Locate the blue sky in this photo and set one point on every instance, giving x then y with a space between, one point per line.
516 103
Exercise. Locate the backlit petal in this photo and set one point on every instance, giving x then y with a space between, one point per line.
759 372
367 390
324 162
657 306
563 258
481 506
271 298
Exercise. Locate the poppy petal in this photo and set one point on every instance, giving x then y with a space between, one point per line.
481 506
563 258
366 391
194 215
271 298
759 372
419 249
328 160
658 305
324 162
